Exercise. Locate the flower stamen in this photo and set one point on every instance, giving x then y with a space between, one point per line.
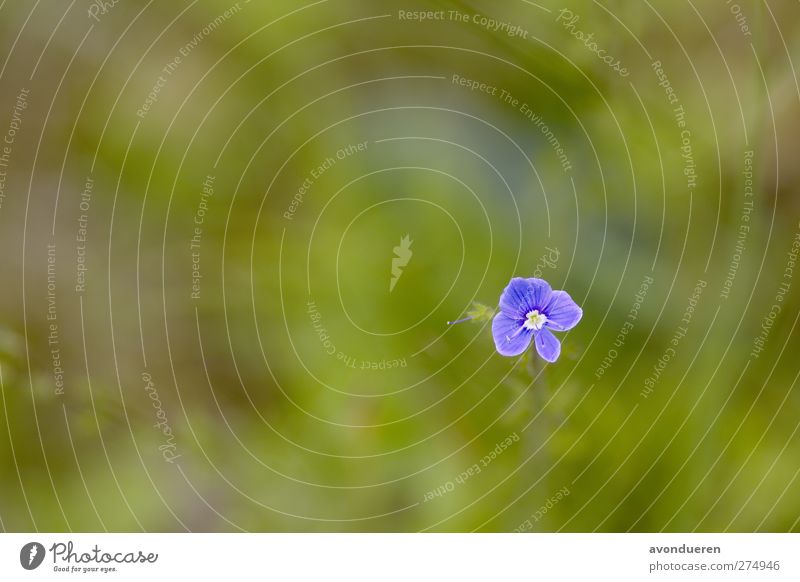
534 320
513 336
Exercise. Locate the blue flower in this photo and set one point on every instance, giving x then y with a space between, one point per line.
529 310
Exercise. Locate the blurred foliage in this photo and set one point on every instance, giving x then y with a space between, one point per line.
276 433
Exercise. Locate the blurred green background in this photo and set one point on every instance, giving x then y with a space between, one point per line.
293 391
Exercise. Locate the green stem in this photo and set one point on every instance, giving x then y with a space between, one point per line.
539 431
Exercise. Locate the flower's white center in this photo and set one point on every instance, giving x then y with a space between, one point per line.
534 320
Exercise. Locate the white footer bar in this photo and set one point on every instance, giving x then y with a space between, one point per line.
406 557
